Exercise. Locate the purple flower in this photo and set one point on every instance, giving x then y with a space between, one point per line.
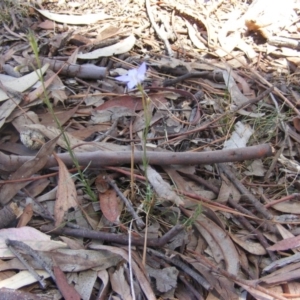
134 76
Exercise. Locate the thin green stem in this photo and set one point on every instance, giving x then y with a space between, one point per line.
46 99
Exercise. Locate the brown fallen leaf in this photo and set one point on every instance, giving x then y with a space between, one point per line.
66 289
62 115
286 244
110 205
26 216
66 193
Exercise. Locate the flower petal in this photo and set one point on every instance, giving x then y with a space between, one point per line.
131 84
134 76
142 69
124 78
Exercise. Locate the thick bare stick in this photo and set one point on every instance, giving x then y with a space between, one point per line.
85 71
9 163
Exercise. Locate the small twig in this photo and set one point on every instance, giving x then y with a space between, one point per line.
107 133
251 228
191 288
255 202
139 221
295 196
130 260
114 238
91 85
184 267
238 280
37 257
161 35
202 181
132 185
11 246
168 82
265 81
256 99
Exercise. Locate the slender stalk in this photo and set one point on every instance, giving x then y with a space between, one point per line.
149 200
34 46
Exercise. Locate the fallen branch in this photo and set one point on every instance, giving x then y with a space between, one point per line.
86 71
11 163
113 237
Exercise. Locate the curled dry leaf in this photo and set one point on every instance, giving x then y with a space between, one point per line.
219 241
236 95
103 275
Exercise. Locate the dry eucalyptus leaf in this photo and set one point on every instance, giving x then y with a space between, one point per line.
73 19
166 278
23 83
162 188
119 48
66 196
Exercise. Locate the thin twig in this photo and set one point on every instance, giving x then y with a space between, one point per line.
238 280
37 257
114 238
256 99
138 220
246 212
255 202
130 260
251 228
107 133
184 267
161 35
168 82
11 246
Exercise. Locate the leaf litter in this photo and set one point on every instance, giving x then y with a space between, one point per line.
207 207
